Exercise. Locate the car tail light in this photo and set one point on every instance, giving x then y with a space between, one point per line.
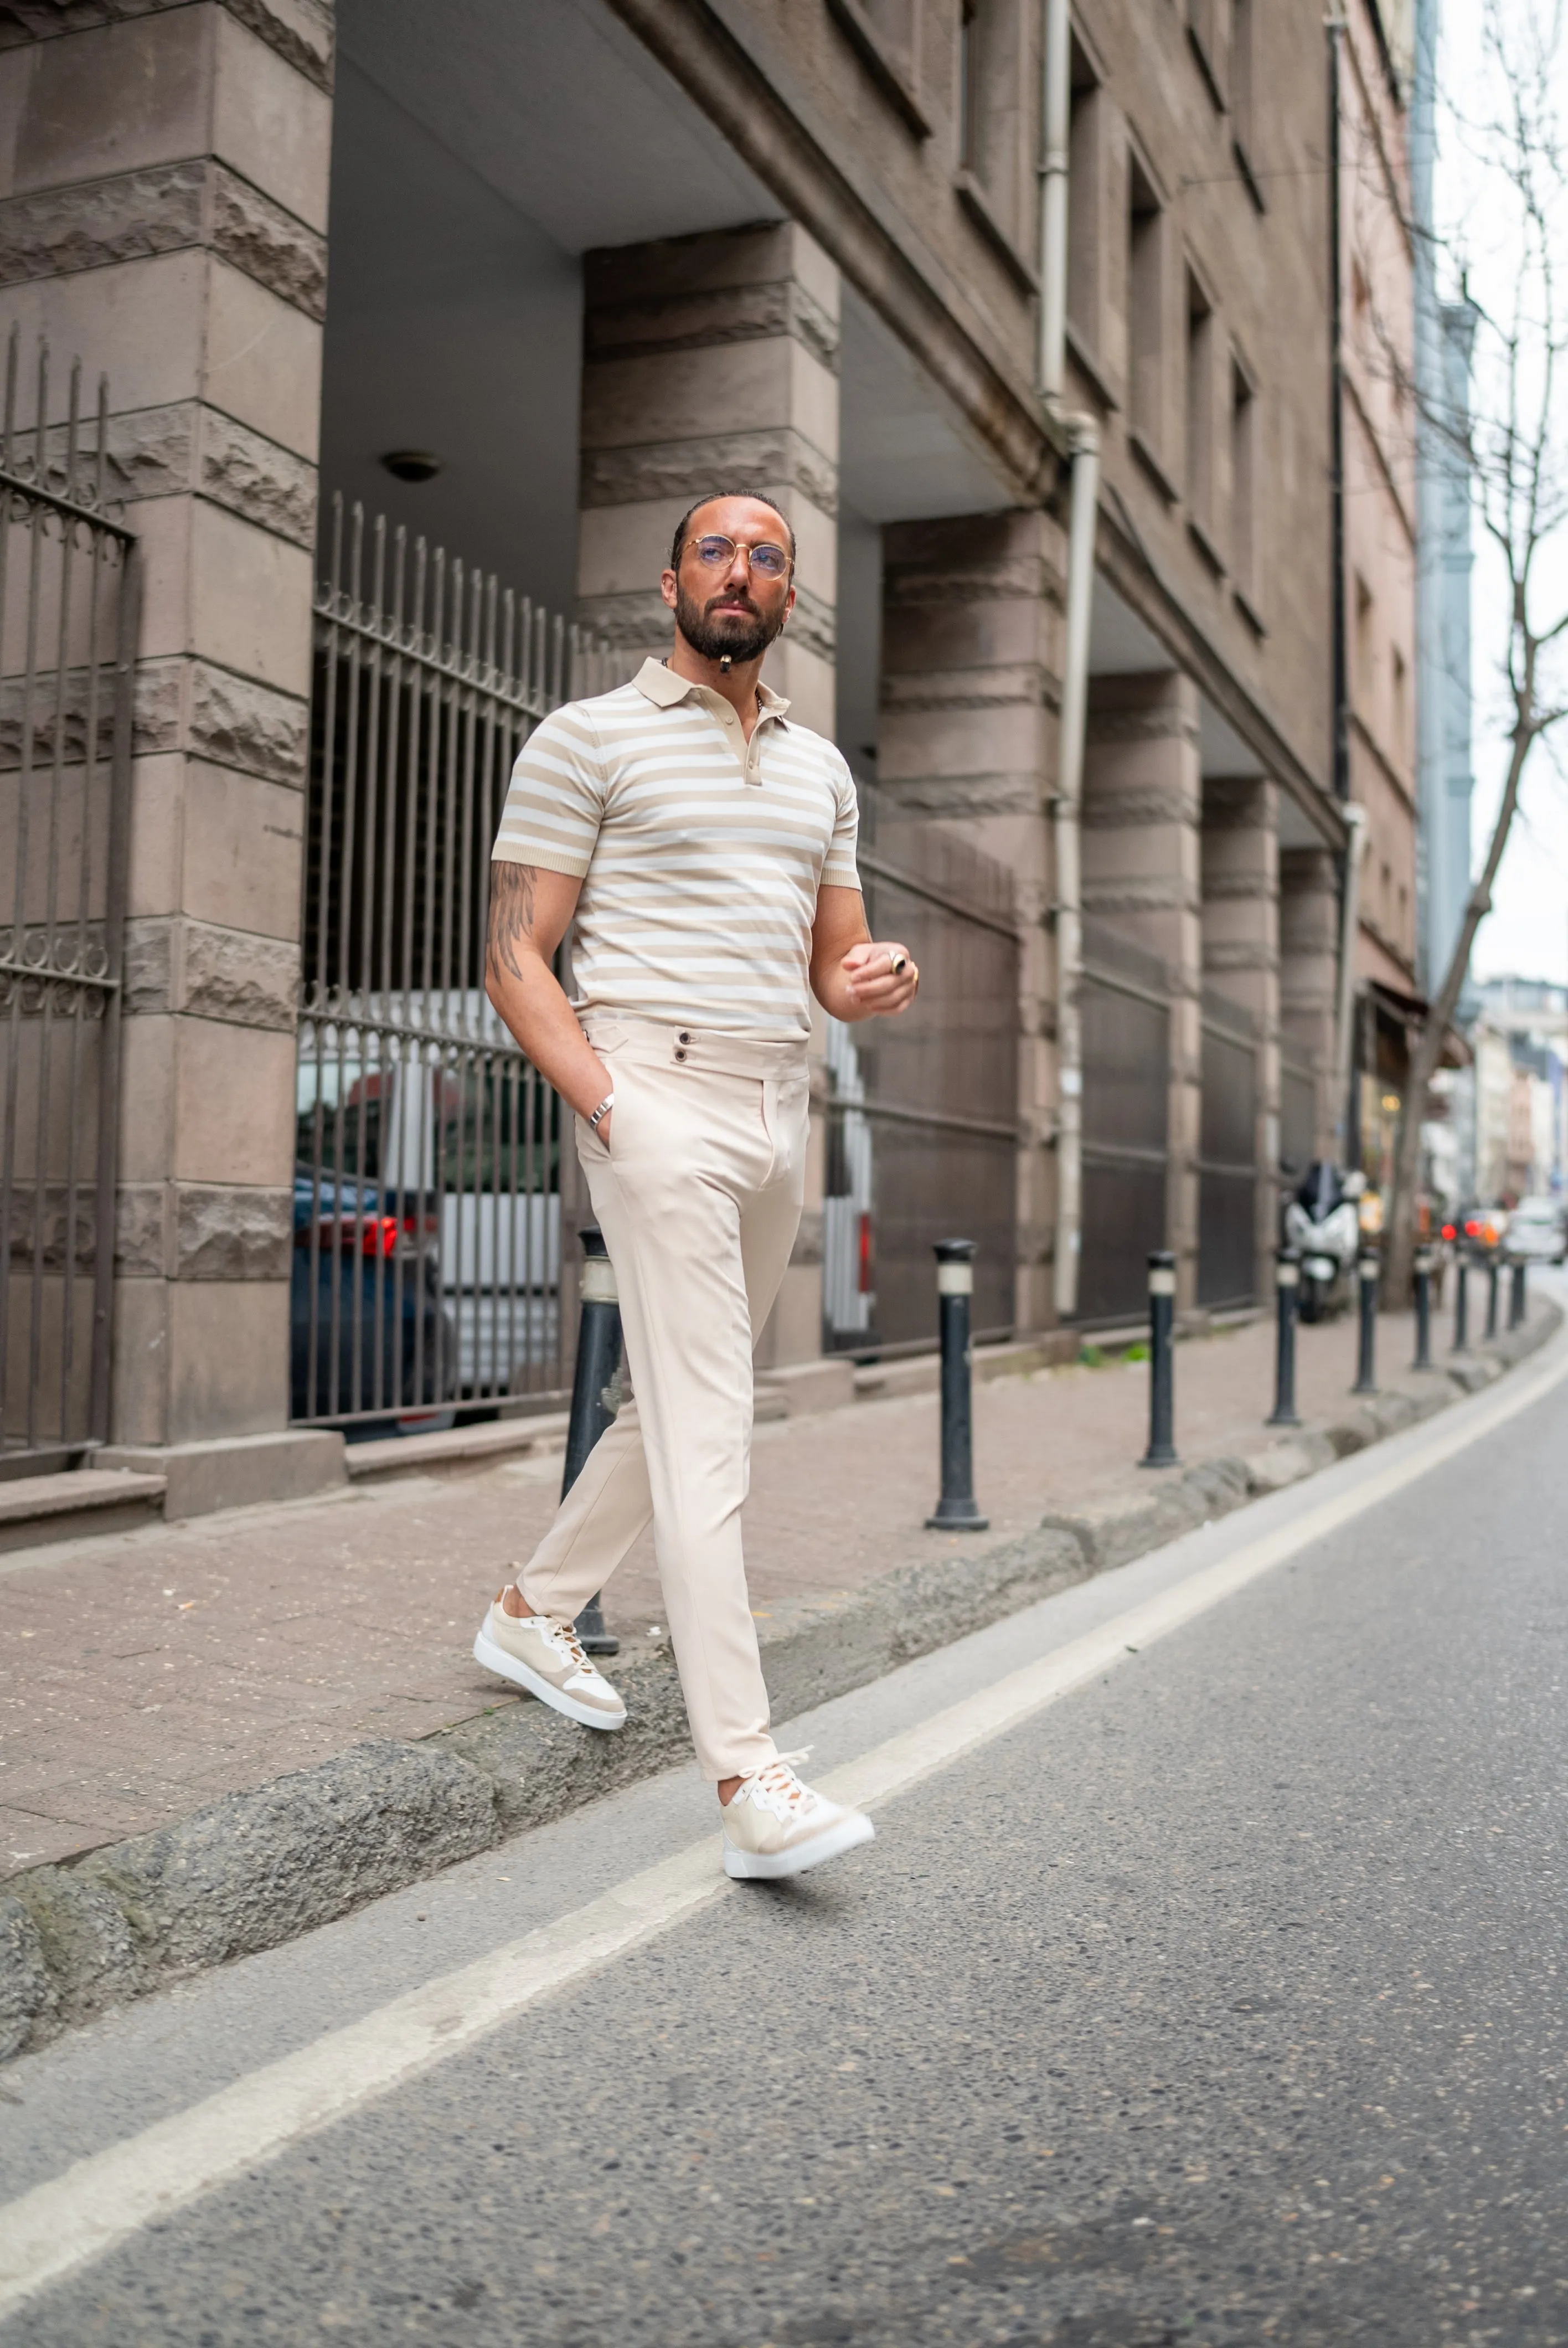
377 1236
1450 1231
863 1284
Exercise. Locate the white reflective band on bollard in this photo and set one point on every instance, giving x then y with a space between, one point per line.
599 1282
955 1280
1285 1275
1162 1283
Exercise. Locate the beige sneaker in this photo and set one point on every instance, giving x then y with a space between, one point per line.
774 1826
537 1653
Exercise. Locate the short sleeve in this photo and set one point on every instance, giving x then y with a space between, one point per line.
555 803
839 870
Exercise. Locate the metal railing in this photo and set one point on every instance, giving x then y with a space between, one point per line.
68 637
922 1113
427 1190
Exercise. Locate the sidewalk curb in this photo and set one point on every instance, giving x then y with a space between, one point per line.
257 1868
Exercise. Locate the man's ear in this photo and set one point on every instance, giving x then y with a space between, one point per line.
667 588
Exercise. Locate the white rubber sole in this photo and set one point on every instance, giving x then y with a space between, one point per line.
769 1867
497 1658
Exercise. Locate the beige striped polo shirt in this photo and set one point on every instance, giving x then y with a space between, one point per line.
700 856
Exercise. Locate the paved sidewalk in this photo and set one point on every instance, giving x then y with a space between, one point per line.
145 1673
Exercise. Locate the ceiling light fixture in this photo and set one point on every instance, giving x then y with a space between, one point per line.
411 464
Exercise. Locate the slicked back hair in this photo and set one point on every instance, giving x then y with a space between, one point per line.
711 496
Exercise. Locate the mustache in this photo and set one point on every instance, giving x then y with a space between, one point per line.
735 600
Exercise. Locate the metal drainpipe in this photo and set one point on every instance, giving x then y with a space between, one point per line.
1083 437
1350 918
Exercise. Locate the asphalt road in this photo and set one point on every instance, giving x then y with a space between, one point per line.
1221 2001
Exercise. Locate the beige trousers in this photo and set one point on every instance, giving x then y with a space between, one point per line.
699 1199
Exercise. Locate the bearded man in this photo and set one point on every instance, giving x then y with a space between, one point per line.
704 845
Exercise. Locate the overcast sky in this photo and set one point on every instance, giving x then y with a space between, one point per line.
1527 932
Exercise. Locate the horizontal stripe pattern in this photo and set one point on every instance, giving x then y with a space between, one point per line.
699 887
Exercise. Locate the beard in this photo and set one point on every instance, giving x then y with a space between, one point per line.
744 635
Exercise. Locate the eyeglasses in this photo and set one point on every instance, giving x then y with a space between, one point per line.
718 553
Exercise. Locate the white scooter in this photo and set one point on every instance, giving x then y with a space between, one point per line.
1322 1224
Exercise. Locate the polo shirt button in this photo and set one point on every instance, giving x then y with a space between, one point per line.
679 1055
683 1037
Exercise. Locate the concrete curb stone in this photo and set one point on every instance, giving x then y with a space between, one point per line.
257 1868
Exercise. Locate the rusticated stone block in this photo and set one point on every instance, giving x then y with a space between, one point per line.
236 721
156 707
138 1241
253 476
299 30
268 243
232 975
148 983
86 227
704 317
232 1233
773 457
159 452
164 209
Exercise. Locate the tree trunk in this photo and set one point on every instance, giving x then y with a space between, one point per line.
1439 1017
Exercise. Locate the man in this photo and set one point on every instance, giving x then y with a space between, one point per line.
706 845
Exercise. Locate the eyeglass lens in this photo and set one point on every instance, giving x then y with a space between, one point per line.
771 561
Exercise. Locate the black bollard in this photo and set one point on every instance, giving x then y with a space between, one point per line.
594 1399
1517 1307
1491 1287
1365 1367
956 1511
1423 1268
1161 1451
1462 1307
1286 1288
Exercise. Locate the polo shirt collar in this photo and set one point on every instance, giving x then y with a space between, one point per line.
664 689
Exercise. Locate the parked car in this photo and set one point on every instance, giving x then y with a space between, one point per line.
379 1314
1477 1232
1538 1232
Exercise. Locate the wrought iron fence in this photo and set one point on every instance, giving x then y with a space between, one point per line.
68 635
1126 1014
923 1111
427 1188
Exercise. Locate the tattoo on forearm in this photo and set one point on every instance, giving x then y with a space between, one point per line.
511 913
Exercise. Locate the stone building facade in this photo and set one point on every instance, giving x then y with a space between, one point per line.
591 256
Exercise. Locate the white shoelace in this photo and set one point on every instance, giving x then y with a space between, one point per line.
776 1782
566 1643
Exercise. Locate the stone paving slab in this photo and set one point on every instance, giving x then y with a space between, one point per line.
147 1671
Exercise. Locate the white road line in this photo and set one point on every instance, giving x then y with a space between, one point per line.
101 2202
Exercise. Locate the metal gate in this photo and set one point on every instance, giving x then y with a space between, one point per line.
1297 1114
922 1112
427 1180
1227 1155
68 635
1126 1019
